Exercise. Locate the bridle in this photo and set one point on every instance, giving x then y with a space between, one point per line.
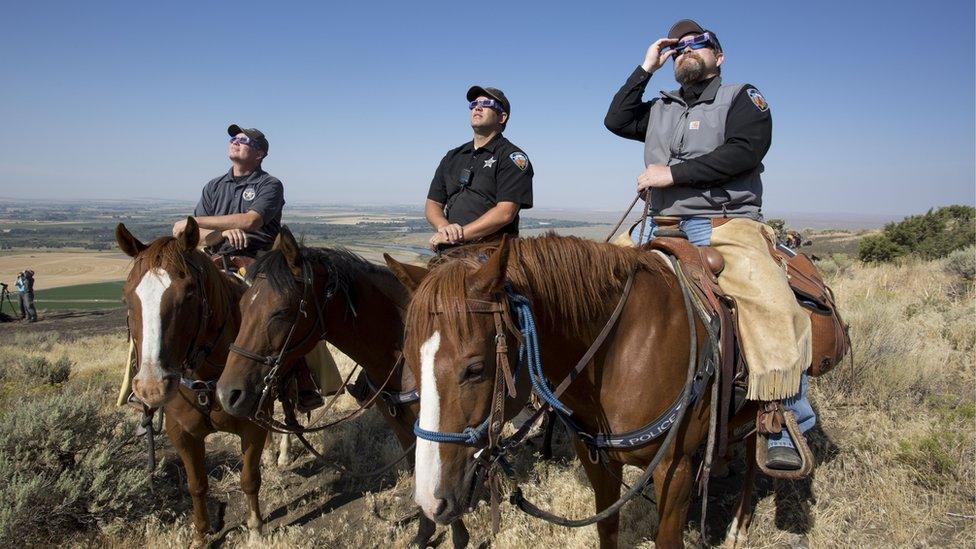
272 380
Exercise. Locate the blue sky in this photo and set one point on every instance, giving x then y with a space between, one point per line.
873 103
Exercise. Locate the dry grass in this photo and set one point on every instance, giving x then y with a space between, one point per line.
56 269
896 450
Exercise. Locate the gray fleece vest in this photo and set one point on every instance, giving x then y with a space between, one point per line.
677 132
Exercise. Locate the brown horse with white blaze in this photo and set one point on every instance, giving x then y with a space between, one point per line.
301 295
183 315
572 286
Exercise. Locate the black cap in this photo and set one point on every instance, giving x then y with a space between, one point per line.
257 137
494 93
687 26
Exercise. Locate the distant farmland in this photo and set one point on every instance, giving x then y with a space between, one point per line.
101 295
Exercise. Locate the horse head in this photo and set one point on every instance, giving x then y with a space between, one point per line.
452 348
166 308
279 319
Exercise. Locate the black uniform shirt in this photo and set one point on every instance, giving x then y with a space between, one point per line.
259 191
748 131
498 172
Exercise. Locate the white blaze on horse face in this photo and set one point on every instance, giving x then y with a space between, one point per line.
150 291
427 472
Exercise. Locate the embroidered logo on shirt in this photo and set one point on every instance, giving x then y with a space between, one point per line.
248 194
520 160
694 124
490 162
758 100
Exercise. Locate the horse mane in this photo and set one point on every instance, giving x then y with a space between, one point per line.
165 253
573 282
342 265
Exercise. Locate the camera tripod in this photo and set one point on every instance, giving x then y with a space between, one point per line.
5 297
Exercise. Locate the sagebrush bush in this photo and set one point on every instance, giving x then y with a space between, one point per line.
962 263
63 466
33 369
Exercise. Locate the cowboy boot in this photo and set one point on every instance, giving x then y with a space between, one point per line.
309 397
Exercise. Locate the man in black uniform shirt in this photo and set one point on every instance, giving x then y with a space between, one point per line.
479 187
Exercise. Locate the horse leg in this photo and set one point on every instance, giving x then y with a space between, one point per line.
739 529
192 451
547 437
459 534
284 449
425 531
606 488
252 446
672 485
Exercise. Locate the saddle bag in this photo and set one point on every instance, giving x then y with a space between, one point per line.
831 339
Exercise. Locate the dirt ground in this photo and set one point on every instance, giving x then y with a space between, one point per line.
69 325
56 269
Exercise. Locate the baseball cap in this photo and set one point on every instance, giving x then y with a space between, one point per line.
256 135
494 93
688 26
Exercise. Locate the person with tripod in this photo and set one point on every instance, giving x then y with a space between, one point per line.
25 287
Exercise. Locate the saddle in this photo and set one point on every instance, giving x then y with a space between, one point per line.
701 266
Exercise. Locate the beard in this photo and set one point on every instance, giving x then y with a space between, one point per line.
690 70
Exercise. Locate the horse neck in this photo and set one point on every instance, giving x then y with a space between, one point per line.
222 325
373 337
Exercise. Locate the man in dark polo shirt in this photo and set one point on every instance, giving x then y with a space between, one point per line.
479 187
245 203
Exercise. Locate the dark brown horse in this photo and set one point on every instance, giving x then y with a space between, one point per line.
572 286
351 303
183 315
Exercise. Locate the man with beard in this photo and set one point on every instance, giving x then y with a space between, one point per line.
703 148
479 187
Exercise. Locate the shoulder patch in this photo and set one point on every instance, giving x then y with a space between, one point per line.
521 161
758 100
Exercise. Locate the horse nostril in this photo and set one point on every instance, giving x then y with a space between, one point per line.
441 506
235 397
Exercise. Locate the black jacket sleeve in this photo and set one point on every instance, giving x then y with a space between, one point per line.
748 134
628 113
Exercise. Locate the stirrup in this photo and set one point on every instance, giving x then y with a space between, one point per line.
806 456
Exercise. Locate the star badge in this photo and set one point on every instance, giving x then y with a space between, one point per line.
490 162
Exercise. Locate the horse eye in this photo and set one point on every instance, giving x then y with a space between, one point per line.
474 372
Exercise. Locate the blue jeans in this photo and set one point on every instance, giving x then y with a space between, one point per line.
699 231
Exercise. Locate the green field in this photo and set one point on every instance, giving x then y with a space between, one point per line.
101 295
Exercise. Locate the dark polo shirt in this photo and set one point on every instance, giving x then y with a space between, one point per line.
259 191
499 172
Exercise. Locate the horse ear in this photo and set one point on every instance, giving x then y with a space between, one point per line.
409 275
289 248
128 243
490 278
190 236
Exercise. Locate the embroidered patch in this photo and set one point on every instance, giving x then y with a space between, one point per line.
248 194
520 160
489 163
758 100
694 124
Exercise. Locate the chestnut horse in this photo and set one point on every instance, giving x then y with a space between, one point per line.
572 286
183 316
300 295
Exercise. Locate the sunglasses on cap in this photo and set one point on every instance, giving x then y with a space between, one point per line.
696 43
487 104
